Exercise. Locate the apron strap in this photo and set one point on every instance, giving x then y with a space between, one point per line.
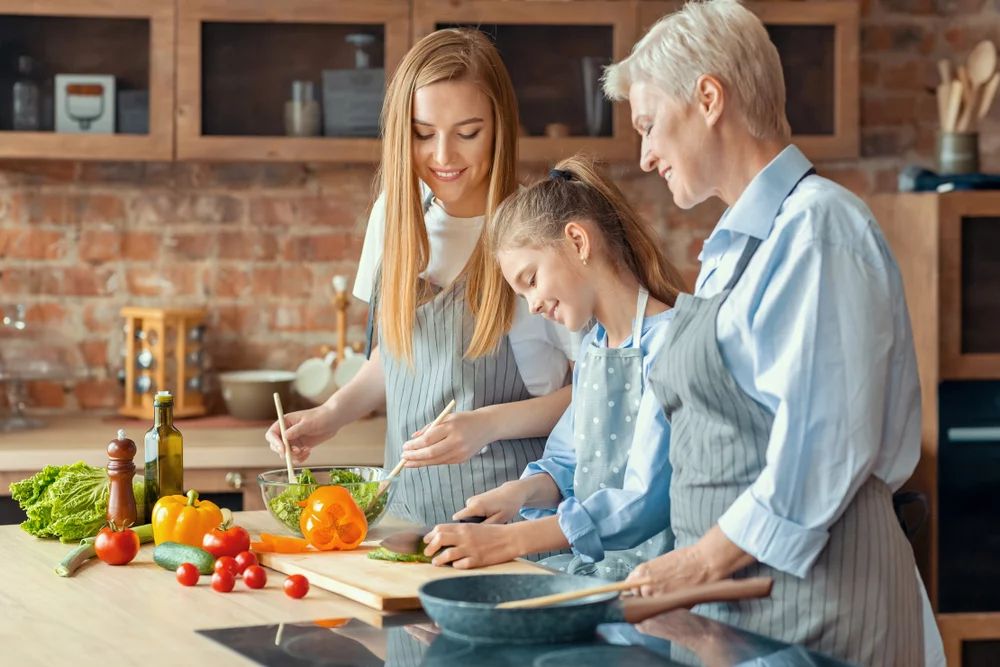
640 314
371 325
753 243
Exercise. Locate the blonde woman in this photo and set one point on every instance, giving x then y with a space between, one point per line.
438 310
789 377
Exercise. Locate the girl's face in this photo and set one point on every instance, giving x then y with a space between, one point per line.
453 144
553 280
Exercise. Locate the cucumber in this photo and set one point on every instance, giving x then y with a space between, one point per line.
170 555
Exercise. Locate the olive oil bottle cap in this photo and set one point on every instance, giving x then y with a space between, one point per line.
163 398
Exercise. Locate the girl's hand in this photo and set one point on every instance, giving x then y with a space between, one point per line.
455 440
305 429
498 505
470 545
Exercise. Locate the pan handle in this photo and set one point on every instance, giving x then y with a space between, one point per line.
637 609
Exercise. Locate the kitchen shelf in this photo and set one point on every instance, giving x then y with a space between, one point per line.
818 43
132 40
236 62
542 45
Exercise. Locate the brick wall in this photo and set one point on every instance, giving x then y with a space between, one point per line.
258 244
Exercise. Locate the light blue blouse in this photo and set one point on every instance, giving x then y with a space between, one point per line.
614 519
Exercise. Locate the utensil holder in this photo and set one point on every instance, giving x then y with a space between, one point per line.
957 153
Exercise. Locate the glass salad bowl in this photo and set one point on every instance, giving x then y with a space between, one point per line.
281 497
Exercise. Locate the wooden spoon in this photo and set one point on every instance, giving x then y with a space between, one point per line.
981 65
284 439
989 92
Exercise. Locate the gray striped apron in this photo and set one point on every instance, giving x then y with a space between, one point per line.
605 403
860 601
442 332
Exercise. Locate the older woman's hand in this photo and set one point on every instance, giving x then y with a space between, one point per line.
678 569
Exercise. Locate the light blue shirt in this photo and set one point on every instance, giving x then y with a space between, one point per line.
614 519
818 332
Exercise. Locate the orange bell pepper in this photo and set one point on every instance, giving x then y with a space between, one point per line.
184 519
331 520
278 544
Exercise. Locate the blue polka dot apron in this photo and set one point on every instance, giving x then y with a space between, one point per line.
605 404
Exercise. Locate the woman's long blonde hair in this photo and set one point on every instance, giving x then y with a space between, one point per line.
445 55
577 191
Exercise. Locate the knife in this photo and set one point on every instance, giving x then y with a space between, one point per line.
411 541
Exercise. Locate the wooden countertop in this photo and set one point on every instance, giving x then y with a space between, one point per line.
138 614
84 437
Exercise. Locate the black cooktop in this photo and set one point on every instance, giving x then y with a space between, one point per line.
413 641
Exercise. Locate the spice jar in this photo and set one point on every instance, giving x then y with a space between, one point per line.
302 113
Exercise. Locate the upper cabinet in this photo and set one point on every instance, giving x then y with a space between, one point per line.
296 80
555 52
86 79
817 42
304 80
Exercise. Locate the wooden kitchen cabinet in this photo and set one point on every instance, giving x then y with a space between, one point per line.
236 62
818 43
132 40
946 248
543 44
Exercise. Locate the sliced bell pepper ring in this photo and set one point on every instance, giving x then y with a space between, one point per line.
278 544
331 520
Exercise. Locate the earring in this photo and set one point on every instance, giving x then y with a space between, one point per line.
584 260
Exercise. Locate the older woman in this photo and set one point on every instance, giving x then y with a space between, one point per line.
790 377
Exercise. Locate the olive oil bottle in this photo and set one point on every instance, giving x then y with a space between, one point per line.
164 454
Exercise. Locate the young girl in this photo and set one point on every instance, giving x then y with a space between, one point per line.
575 250
438 310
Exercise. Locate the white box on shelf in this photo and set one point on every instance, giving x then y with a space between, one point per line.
85 103
352 102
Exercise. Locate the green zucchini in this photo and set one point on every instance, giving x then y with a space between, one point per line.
170 555
381 553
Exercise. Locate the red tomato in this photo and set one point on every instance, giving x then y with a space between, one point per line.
296 586
228 564
188 574
116 547
223 582
226 540
245 559
255 576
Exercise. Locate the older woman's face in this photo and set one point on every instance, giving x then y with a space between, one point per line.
673 143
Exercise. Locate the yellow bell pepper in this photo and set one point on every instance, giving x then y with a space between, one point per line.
184 519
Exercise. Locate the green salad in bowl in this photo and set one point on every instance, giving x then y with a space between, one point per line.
282 497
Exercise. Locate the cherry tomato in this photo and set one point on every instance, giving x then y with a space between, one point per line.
226 540
245 559
229 564
116 547
296 586
255 576
223 582
188 574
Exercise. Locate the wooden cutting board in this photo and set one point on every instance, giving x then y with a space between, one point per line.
378 584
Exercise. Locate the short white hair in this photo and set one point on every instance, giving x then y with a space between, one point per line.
718 37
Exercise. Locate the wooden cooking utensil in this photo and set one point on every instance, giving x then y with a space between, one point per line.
943 93
989 92
399 466
546 600
954 104
944 69
284 439
981 65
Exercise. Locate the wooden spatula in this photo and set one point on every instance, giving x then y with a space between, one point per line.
556 598
384 484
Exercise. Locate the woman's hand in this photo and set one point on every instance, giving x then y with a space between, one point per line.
470 545
677 569
455 440
498 505
305 429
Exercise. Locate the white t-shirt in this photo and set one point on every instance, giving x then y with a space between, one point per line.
542 349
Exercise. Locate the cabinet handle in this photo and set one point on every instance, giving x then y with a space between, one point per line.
234 479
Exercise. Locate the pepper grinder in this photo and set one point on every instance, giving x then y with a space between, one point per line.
121 470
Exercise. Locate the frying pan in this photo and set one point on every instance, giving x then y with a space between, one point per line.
465 607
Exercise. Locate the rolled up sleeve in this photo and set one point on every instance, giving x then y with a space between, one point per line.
558 461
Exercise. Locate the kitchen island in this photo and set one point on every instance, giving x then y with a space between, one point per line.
138 614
